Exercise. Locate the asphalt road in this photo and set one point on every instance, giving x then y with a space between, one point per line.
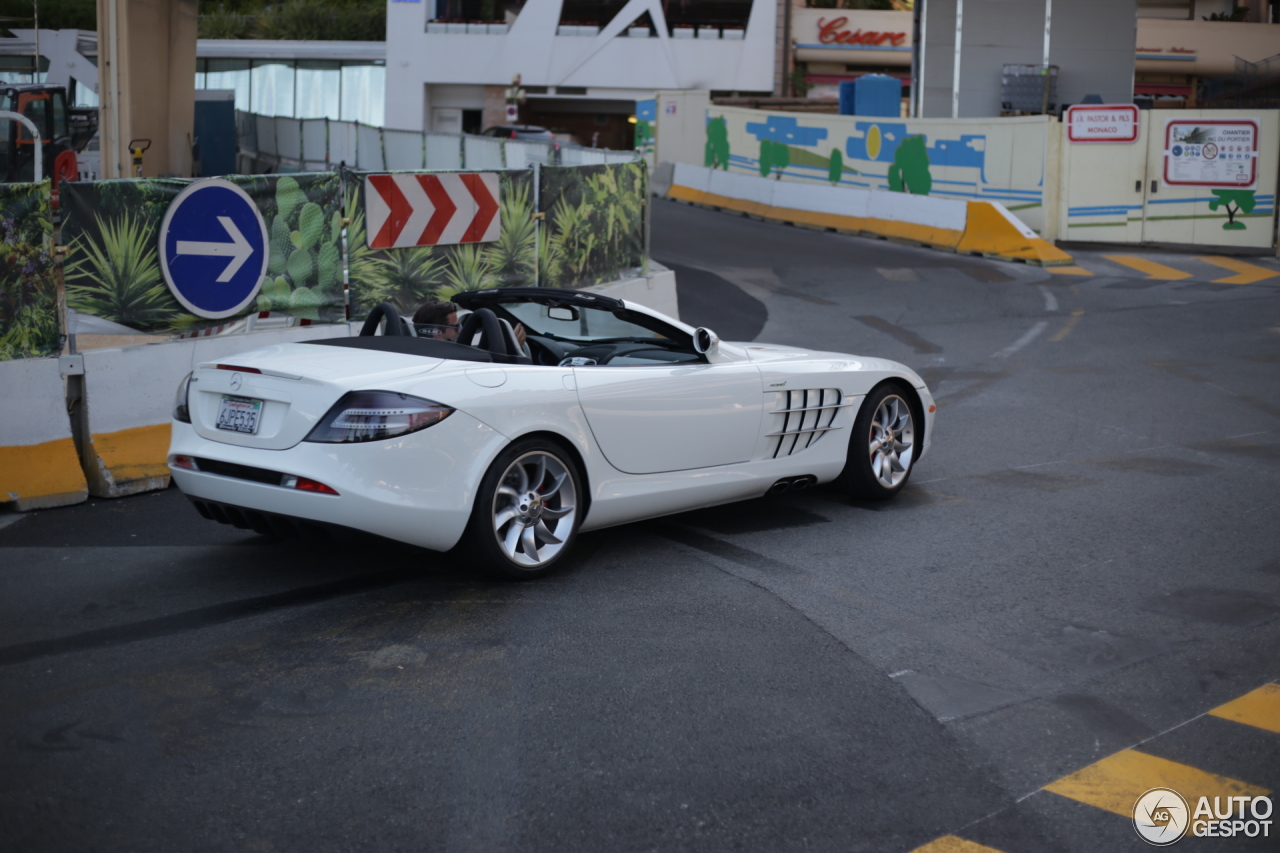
1087 560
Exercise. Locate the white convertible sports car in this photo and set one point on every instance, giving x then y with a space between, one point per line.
611 413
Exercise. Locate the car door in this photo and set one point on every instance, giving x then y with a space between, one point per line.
672 417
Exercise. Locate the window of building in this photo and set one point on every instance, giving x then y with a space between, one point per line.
319 93
227 74
349 91
271 88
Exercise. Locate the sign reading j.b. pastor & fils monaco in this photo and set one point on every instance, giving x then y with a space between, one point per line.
1102 123
836 32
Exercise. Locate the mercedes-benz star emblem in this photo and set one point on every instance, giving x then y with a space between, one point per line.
236 380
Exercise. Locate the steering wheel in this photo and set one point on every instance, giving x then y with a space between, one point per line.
381 311
490 331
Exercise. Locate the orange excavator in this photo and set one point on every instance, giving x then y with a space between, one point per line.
64 130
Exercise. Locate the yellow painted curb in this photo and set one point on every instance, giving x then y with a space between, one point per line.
130 461
989 232
39 476
944 238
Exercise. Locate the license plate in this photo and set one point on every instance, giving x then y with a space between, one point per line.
239 414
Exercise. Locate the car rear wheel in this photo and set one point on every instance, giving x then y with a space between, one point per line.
882 448
527 511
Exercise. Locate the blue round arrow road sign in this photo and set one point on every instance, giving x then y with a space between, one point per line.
213 248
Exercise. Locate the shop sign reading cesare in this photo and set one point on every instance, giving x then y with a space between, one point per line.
865 37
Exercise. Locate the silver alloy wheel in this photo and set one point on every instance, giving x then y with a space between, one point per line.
534 508
892 441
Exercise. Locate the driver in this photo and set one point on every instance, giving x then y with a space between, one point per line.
441 320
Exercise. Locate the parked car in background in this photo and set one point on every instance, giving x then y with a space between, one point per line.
520 131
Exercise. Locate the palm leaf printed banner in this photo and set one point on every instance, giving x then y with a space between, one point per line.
112 231
595 220
28 285
408 277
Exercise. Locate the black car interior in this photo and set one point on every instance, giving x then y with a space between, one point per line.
489 329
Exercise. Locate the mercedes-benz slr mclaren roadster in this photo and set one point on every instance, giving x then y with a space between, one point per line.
465 438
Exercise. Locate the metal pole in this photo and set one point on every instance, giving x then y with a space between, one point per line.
955 69
112 44
537 224
35 12
1048 14
1045 80
917 58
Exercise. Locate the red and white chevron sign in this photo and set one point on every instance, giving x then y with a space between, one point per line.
431 210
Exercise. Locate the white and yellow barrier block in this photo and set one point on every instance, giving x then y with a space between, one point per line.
974 227
39 467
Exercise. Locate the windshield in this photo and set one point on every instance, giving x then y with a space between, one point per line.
591 323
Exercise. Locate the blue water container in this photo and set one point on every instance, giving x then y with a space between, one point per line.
847 89
874 95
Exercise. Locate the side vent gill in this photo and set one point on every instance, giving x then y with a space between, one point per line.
803 417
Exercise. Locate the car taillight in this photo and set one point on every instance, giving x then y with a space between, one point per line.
375 415
181 411
306 484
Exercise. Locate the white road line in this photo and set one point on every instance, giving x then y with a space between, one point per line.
8 518
1032 333
1050 301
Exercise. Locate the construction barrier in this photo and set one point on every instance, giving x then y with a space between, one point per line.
113 269
39 466
971 227
127 403
28 284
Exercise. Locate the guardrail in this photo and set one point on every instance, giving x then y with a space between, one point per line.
281 144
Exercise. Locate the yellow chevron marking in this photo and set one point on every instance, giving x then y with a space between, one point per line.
1247 273
1116 782
1074 269
1153 270
1260 709
953 844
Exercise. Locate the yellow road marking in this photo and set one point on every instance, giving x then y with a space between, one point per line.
1260 709
1116 782
1247 273
1071 324
1153 270
1074 269
953 844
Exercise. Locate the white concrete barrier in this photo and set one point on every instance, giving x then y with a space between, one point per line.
39 466
973 227
129 397
657 290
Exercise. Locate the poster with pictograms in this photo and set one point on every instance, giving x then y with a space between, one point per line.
1211 153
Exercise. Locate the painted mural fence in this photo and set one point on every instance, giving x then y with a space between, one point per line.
964 159
113 268
28 284
281 144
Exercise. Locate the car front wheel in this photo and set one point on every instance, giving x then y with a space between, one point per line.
882 449
526 513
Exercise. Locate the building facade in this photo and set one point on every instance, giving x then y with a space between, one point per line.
583 64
